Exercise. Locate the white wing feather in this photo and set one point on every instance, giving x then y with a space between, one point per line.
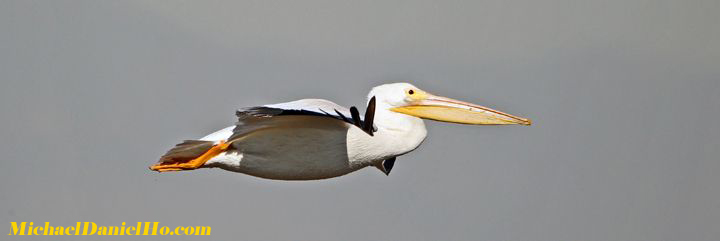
315 105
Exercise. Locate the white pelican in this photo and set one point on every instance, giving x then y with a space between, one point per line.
316 139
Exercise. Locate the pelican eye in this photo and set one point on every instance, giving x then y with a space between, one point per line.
410 92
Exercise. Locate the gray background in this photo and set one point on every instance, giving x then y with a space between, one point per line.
624 95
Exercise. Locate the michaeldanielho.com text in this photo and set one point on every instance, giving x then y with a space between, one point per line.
90 228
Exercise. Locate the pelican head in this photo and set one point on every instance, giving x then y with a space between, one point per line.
409 100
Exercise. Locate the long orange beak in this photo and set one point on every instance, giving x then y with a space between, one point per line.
445 109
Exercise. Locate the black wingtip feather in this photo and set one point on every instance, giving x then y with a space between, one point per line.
369 117
355 116
341 116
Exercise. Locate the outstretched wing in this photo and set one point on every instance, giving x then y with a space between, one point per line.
250 119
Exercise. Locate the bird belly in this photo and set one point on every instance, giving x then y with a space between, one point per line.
292 153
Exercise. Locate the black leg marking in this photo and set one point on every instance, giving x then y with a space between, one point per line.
388 165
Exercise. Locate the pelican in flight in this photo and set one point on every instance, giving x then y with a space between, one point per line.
314 139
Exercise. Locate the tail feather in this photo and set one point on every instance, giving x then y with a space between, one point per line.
186 151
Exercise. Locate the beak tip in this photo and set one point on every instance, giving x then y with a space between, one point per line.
528 122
